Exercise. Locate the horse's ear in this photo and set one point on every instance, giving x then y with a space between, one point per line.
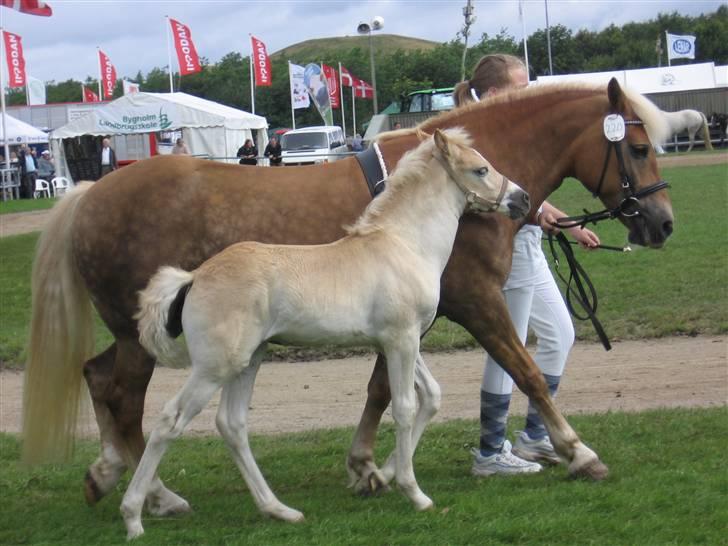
616 95
441 142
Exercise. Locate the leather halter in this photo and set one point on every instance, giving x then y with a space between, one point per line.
629 206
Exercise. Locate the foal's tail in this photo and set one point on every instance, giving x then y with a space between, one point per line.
706 133
61 338
160 307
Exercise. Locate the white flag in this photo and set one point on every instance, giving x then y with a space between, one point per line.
680 47
129 87
299 94
36 91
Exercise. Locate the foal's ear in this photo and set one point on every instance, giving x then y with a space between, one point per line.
616 95
442 143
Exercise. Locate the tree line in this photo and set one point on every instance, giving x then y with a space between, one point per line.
633 45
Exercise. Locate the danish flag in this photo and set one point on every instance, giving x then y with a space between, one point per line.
30 7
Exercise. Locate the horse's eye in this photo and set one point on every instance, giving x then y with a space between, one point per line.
640 151
483 171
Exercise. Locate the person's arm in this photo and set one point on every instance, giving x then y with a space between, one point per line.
549 214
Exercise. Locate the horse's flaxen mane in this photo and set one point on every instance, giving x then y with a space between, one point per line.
658 130
411 168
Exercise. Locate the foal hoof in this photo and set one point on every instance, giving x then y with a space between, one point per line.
91 490
594 470
372 484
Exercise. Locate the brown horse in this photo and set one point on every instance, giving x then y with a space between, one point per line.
104 242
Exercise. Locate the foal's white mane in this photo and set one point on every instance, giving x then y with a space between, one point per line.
412 168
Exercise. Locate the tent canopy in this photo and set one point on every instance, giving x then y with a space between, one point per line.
19 132
150 112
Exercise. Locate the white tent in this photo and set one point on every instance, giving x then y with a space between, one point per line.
209 128
20 132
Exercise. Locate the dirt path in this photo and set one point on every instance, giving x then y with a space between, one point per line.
290 397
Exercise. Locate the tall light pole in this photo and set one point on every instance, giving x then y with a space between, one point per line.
469 20
367 28
548 36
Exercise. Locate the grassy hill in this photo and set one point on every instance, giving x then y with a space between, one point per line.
310 50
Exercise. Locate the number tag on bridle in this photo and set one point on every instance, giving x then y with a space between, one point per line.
614 127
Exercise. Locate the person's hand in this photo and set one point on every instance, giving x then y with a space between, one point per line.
585 237
546 220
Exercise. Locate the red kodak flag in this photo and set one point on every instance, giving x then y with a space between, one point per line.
108 75
261 63
88 95
31 7
332 80
189 61
16 62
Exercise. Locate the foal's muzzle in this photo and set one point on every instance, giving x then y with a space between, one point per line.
518 203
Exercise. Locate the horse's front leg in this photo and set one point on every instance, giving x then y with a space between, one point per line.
429 397
364 476
401 371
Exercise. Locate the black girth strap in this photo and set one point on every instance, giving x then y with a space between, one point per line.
372 169
584 294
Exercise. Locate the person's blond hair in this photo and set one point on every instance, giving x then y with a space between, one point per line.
491 71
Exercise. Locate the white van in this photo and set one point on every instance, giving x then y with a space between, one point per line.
313 145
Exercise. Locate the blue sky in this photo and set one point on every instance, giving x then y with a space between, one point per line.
133 32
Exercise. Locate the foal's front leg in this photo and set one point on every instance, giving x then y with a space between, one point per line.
400 368
177 413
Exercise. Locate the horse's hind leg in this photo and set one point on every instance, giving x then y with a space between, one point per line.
178 412
117 380
364 476
232 417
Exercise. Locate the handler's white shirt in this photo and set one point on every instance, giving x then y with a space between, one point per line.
105 159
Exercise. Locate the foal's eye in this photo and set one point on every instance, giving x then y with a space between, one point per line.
483 171
640 151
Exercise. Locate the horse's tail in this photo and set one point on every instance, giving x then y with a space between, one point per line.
706 133
159 316
61 338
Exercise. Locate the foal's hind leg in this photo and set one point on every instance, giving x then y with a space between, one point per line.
232 417
118 380
178 412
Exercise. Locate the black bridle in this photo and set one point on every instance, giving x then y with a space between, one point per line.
629 206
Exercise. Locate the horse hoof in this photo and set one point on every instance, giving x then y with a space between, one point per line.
424 504
595 470
91 490
284 513
171 509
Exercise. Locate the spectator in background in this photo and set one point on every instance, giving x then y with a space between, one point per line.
46 168
356 143
28 171
248 153
397 126
107 158
273 152
180 148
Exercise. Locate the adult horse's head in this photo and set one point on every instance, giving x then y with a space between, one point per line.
620 166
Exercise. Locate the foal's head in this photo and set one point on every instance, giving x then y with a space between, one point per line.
485 189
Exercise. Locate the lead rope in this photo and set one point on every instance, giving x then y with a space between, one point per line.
584 293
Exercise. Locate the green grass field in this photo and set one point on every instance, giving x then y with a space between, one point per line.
667 485
679 290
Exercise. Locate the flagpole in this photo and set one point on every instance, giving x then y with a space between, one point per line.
341 95
252 83
525 41
353 109
101 75
169 56
6 146
667 48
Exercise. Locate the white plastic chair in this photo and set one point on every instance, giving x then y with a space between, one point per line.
60 184
41 187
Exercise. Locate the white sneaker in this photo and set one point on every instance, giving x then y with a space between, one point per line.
537 451
504 462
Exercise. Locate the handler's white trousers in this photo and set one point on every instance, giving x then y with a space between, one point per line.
534 300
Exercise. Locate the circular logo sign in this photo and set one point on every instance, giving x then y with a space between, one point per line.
681 46
614 127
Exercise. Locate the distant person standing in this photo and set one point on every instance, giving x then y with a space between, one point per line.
180 148
273 152
107 158
248 153
28 170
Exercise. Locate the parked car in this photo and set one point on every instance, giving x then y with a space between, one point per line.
311 145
